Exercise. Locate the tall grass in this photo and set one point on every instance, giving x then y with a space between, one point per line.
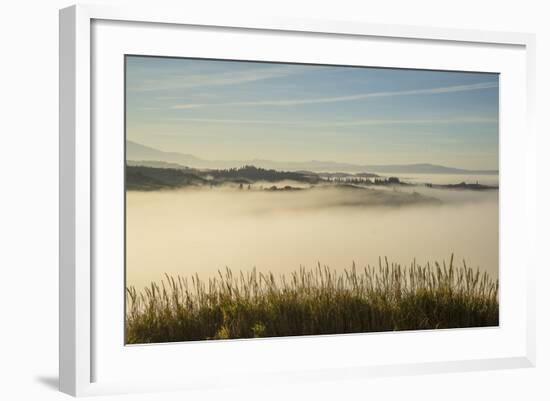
310 302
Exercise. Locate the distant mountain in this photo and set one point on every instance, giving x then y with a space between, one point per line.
152 157
425 168
156 164
138 152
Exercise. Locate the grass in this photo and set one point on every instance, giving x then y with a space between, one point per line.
312 302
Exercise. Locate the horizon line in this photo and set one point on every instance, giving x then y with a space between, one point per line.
256 159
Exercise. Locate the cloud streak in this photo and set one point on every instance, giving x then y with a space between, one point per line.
348 98
350 123
188 81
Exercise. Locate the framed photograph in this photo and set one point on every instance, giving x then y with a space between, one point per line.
276 200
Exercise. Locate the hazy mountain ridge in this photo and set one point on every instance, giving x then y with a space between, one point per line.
136 152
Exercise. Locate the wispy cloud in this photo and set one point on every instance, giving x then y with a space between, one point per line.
187 81
188 106
348 123
348 98
430 121
237 121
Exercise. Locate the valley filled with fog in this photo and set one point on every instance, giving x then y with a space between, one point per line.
202 229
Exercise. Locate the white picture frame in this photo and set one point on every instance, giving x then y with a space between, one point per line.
81 342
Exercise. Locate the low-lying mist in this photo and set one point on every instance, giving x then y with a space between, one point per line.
188 231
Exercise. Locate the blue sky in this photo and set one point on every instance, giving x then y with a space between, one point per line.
233 110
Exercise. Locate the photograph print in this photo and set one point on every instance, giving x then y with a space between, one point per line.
279 199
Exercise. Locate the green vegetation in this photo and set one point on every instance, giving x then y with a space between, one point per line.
150 178
250 174
473 187
155 175
312 302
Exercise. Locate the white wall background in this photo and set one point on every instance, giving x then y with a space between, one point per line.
29 196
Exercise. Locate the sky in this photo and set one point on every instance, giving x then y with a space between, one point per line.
236 110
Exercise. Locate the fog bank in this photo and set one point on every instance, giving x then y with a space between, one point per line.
200 231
